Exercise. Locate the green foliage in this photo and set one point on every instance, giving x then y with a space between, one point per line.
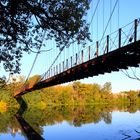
8 122
6 96
77 104
74 94
132 96
78 94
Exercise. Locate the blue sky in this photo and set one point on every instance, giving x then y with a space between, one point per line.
128 11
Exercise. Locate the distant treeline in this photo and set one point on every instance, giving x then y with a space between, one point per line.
76 93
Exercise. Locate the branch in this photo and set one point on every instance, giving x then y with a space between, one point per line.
133 76
40 51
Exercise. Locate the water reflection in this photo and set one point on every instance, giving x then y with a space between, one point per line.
30 133
99 121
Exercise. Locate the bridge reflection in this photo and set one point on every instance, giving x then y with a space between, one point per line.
30 133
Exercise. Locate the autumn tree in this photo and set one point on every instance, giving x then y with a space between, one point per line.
132 96
95 92
23 24
107 88
106 91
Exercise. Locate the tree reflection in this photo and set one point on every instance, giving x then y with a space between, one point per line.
30 121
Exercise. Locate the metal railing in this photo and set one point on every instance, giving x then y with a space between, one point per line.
120 38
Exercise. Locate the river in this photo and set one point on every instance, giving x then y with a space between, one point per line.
99 122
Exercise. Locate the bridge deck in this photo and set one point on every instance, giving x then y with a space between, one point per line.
120 58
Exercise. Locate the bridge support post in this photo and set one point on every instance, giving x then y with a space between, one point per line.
120 37
107 44
135 30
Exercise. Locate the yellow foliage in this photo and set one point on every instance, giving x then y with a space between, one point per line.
41 105
3 107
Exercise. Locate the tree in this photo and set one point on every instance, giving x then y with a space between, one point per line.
2 81
107 88
106 91
132 96
24 23
133 73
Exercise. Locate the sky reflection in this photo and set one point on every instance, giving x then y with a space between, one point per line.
69 123
123 126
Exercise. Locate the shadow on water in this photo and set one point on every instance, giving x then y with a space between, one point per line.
30 133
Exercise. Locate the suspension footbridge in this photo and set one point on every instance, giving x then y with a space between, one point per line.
113 52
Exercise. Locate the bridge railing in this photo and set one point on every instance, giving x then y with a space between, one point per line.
122 37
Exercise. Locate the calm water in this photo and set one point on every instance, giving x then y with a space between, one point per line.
72 123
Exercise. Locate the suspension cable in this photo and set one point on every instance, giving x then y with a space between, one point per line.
118 14
52 64
103 14
97 23
35 57
109 21
96 8
94 12
110 14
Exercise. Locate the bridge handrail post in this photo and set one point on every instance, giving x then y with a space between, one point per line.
107 43
66 63
71 61
49 74
45 76
59 67
97 48
135 29
89 52
120 30
63 66
54 71
76 59
82 53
